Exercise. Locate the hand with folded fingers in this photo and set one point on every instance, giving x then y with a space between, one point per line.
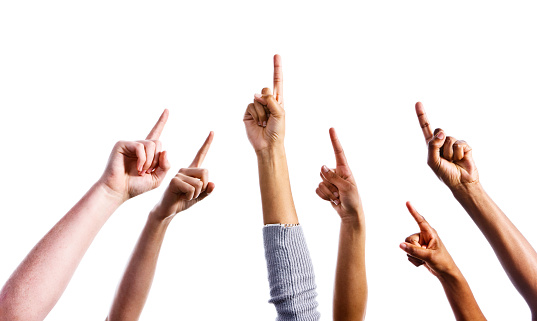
135 167
338 185
265 117
450 159
426 248
189 186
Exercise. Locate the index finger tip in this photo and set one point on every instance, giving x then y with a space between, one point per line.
277 60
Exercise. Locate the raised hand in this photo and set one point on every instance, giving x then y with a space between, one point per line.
135 167
338 185
265 117
449 158
426 248
188 187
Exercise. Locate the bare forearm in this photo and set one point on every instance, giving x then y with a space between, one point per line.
460 297
138 277
39 281
276 196
350 293
516 255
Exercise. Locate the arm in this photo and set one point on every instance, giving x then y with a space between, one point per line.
292 282
339 188
426 248
187 188
39 281
452 162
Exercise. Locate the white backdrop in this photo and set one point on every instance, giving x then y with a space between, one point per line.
75 77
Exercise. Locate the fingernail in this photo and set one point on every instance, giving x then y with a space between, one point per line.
440 135
264 124
325 169
336 202
402 246
336 194
259 123
257 96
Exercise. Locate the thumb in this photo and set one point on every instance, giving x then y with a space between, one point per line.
333 178
433 158
207 192
415 251
163 166
266 98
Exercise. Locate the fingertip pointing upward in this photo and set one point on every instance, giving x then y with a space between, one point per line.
419 108
277 60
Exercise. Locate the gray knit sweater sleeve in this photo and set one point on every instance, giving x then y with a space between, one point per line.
290 274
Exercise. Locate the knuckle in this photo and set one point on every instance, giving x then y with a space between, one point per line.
182 170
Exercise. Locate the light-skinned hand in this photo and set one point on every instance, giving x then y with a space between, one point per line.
265 117
450 159
338 185
426 248
188 187
135 167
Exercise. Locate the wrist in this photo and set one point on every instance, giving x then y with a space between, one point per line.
450 275
465 189
353 224
110 193
273 152
158 216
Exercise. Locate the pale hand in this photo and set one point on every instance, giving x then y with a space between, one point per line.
135 167
338 185
265 117
450 159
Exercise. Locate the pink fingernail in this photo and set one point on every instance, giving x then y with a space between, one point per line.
402 246
264 124
336 194
258 123
336 202
325 169
257 96
440 135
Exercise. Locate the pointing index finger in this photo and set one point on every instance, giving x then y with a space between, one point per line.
200 156
278 79
422 223
159 126
424 122
341 160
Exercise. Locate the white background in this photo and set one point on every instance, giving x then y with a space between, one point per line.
75 77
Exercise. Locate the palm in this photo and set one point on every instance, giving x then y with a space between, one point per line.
270 109
350 201
177 201
181 194
457 173
122 173
263 137
136 184
458 166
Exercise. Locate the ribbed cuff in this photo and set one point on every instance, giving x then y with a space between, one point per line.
290 273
